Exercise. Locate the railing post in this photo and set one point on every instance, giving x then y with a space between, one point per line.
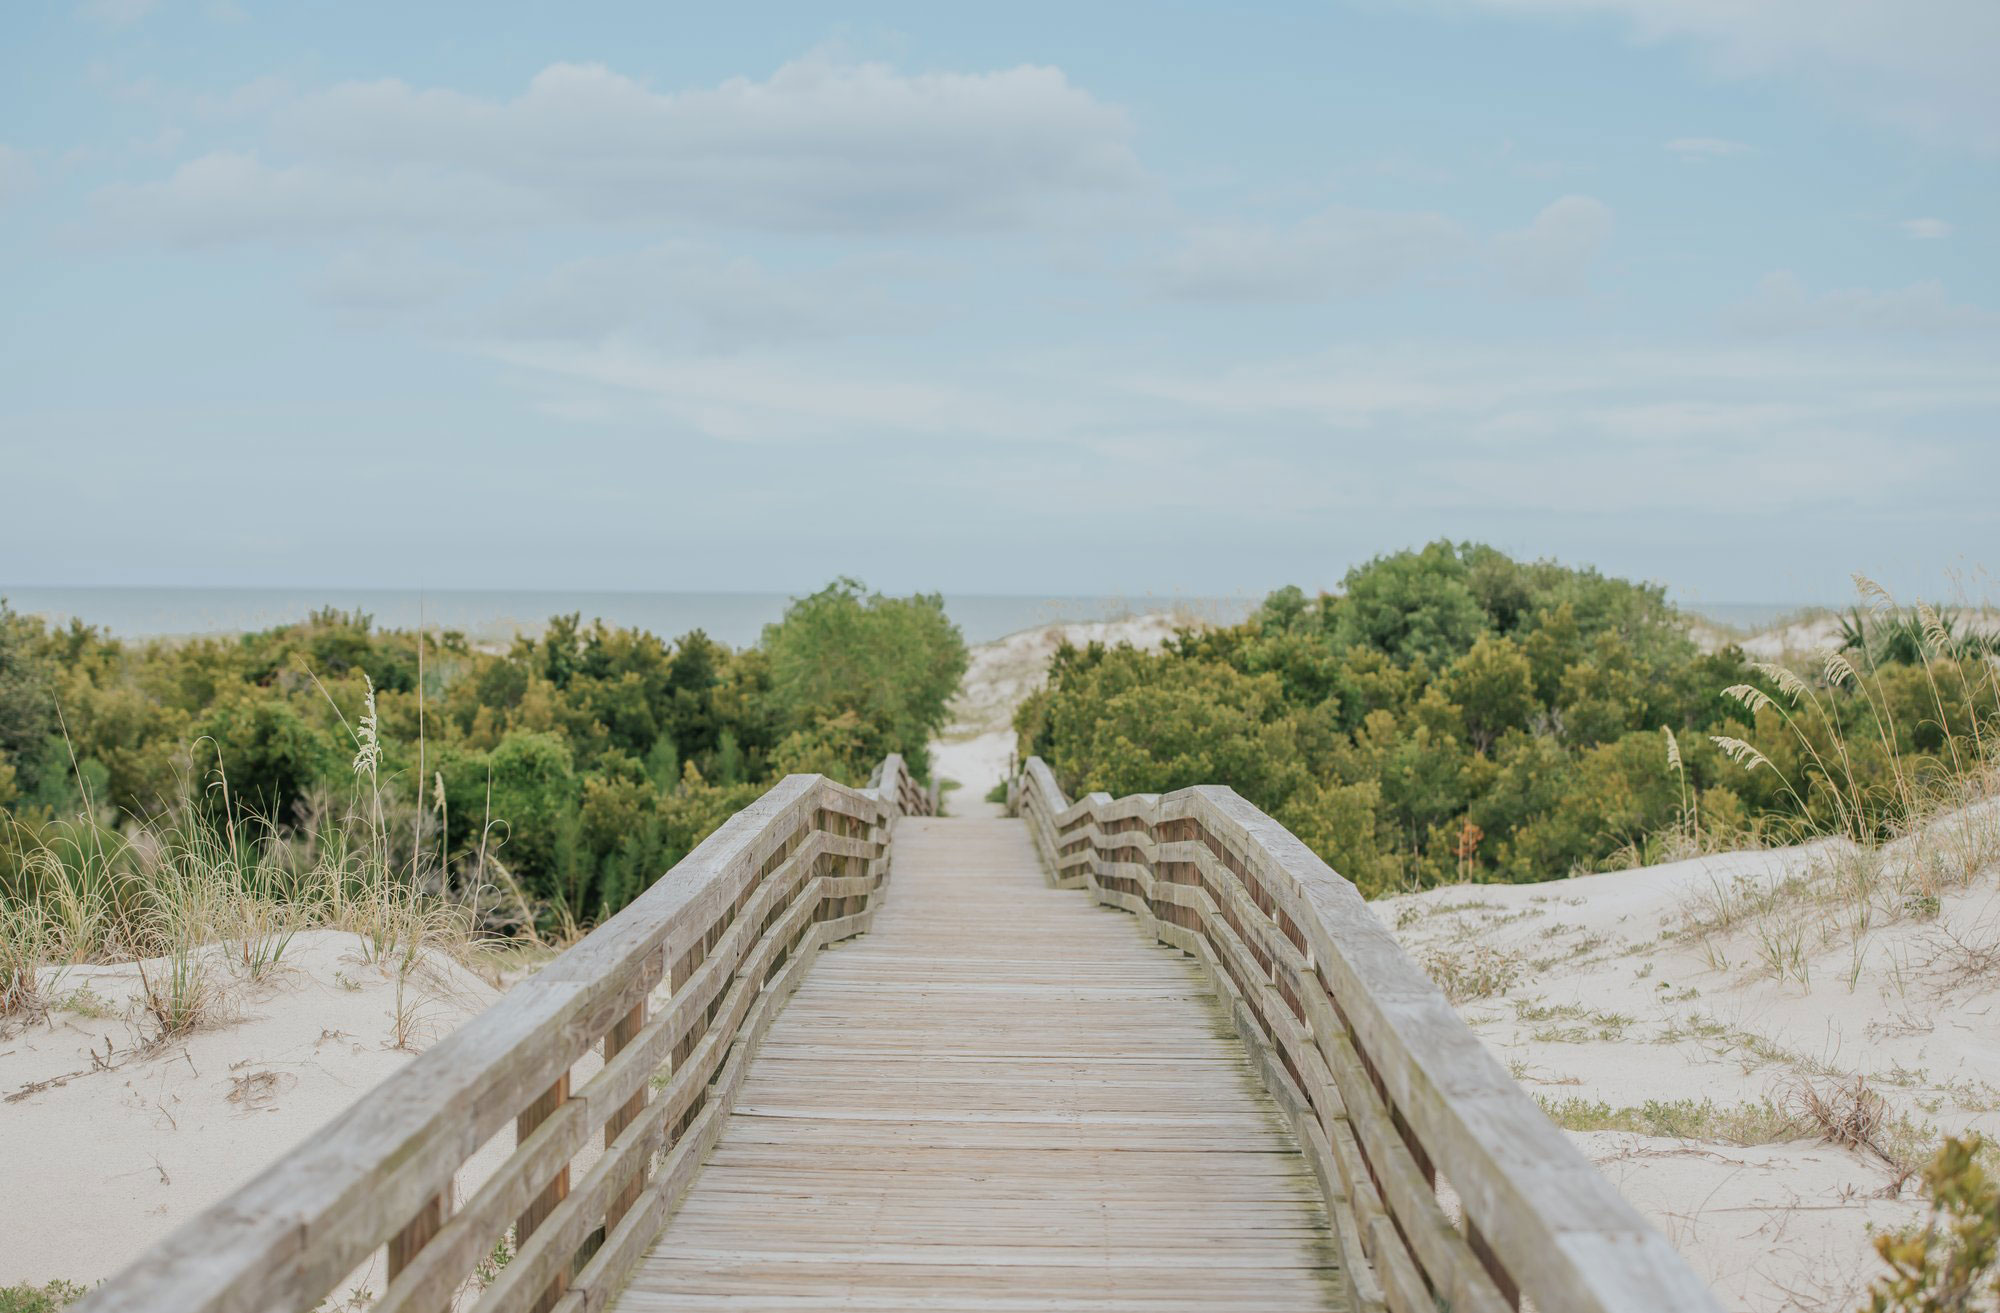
623 1033
403 1246
552 1194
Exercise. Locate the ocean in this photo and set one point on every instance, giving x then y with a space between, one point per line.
496 615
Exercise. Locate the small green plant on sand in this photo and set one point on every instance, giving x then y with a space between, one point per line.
1950 1264
30 1298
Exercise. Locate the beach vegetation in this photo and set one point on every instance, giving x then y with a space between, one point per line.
1453 714
160 798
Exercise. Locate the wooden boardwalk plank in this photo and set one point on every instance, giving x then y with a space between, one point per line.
1001 1098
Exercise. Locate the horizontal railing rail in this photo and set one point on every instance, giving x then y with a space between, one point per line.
1447 1185
730 930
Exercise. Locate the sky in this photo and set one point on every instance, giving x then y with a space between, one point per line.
1072 298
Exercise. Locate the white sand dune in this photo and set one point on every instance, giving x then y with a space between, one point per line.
111 1139
977 745
1605 1001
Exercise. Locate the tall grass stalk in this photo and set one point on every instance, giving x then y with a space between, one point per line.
1907 826
207 889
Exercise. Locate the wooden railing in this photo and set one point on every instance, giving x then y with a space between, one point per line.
1447 1186
902 790
730 930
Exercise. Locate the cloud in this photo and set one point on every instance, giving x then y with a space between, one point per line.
820 146
17 175
1460 427
1341 251
691 296
1783 305
1553 254
1926 65
229 196
791 397
1696 150
1472 425
388 279
1925 229
1346 252
115 13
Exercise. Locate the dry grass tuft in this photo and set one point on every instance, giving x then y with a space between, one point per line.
1472 971
1850 1114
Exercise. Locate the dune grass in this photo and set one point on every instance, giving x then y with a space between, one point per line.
197 904
205 894
1902 816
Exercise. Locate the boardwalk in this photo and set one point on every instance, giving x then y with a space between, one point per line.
855 1057
1002 1097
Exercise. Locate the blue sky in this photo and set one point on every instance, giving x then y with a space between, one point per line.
1038 298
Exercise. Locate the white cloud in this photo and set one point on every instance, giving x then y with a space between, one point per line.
1925 229
228 196
819 146
1782 304
1553 254
1924 64
115 13
1344 251
17 175
788 397
1619 429
1695 150
388 278
1341 251
692 296
1414 425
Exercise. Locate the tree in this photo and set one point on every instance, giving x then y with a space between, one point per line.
28 726
1495 687
893 662
1412 604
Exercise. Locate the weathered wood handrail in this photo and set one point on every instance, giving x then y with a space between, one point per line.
730 929
1386 1088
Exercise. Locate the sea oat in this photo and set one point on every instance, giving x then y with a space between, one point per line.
369 758
1740 752
1749 695
1788 683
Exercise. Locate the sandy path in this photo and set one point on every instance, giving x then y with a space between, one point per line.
976 747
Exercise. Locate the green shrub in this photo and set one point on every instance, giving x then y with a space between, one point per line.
1452 714
578 765
30 1298
1950 1264
892 664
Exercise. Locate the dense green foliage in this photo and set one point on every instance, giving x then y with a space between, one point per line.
581 763
1456 714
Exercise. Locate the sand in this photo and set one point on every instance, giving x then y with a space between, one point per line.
112 1138
977 746
1606 1002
